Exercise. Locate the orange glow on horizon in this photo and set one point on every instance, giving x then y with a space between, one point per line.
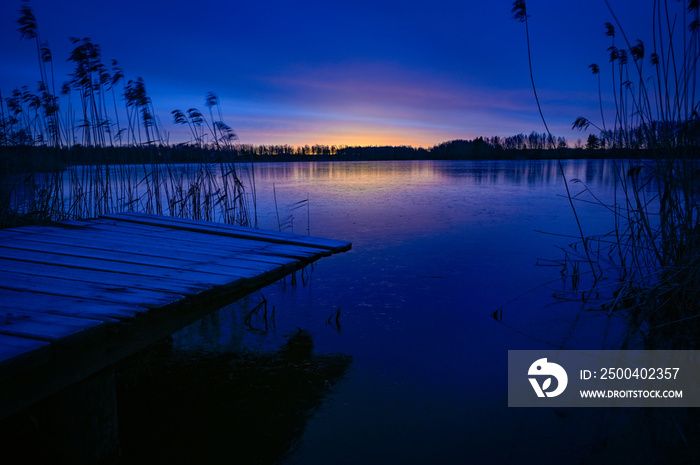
353 137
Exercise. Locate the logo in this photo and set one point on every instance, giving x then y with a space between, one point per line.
546 371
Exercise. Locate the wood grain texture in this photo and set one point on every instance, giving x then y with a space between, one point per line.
79 296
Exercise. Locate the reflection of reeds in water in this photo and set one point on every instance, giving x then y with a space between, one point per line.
202 191
648 265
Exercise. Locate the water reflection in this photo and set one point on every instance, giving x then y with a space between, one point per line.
437 247
189 406
530 172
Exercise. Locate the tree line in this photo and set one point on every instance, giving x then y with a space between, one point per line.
533 145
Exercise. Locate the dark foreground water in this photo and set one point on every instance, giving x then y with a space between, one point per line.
437 248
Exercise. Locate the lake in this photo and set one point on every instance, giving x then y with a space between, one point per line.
438 247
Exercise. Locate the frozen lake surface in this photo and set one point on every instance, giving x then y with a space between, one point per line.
437 248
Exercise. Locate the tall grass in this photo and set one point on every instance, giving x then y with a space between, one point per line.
97 105
648 266
105 118
203 191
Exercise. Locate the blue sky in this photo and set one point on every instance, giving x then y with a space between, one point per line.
346 73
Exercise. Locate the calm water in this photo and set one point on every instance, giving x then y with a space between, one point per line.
437 247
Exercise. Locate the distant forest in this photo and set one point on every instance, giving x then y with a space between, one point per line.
518 147
534 145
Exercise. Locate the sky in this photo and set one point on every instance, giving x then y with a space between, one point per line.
380 72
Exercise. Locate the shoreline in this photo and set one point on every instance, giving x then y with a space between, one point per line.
15 159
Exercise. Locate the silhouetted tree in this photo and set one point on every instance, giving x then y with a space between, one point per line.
592 143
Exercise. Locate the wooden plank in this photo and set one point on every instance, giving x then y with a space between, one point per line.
232 231
45 327
191 237
236 231
206 226
63 288
23 389
177 248
126 227
55 286
21 353
103 277
114 266
67 306
229 268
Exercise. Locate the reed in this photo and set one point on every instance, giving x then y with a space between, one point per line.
647 266
86 112
520 14
48 154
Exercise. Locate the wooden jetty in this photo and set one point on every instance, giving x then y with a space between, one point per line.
81 295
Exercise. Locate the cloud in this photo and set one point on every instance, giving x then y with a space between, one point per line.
382 103
384 73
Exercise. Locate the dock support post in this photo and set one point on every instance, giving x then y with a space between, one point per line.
84 418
